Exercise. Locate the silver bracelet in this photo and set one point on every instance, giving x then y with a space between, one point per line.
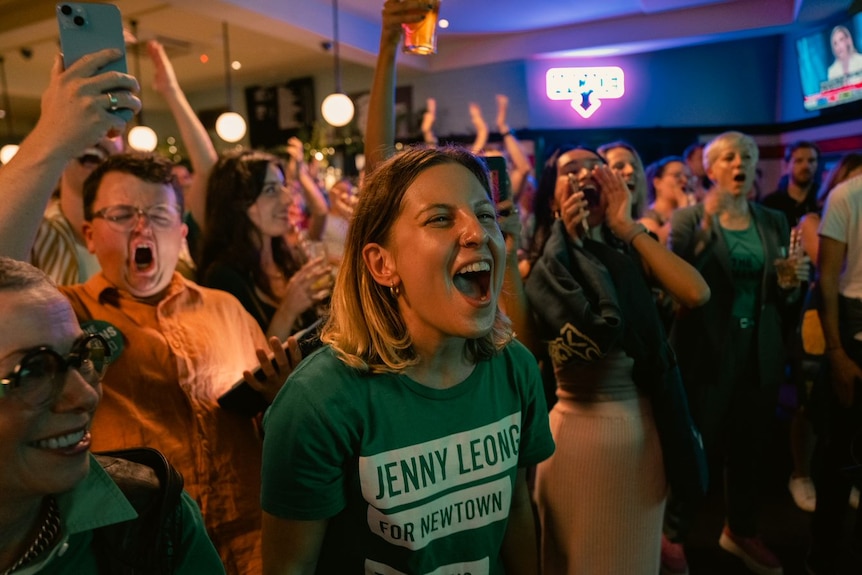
637 230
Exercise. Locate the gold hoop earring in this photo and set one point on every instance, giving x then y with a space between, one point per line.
394 290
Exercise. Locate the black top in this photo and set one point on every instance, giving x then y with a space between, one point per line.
780 200
227 278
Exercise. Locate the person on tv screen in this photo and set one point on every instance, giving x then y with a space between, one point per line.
847 60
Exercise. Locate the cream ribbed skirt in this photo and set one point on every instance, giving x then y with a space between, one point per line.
601 496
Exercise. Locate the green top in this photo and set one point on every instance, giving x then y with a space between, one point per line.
746 266
412 479
98 502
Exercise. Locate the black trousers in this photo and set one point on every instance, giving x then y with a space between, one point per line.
837 462
735 419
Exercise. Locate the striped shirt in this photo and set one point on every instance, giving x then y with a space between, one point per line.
57 252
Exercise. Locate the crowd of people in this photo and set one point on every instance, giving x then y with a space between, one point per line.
540 383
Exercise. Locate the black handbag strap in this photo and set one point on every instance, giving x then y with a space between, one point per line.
149 543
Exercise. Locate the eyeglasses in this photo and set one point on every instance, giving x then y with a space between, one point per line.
39 376
506 212
575 166
90 160
125 218
677 176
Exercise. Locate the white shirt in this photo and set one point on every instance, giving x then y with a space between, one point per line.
842 221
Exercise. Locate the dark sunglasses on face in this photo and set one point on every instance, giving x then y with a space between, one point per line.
40 375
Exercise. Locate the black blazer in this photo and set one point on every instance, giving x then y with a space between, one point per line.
699 335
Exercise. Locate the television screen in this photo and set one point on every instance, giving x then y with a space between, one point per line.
830 65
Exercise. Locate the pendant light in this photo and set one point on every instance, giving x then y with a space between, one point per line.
337 108
230 126
141 137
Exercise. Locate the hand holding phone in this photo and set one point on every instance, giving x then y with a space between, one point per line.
86 28
244 399
575 188
501 187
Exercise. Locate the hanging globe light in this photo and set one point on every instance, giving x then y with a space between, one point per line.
337 109
143 139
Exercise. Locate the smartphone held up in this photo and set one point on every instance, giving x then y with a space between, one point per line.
89 27
501 187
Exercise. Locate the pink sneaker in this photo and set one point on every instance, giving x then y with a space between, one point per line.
673 561
753 553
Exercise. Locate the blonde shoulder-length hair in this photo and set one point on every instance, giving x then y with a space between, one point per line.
365 328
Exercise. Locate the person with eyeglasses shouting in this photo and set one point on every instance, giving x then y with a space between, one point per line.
184 347
58 499
77 130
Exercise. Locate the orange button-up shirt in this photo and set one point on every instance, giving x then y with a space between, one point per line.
179 355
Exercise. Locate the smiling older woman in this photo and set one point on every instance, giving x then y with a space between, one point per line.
55 495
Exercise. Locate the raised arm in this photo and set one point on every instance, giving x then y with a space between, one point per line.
315 201
481 128
380 130
513 300
75 115
196 140
675 275
521 167
428 119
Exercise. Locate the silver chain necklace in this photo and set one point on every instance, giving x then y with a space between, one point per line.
47 534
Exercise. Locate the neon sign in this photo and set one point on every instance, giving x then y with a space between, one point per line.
585 87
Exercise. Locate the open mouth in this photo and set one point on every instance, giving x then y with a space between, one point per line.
739 178
474 280
591 194
143 257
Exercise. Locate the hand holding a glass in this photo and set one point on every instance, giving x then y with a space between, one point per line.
308 287
399 13
792 267
319 269
421 37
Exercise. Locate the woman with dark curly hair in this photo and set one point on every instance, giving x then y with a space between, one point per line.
244 251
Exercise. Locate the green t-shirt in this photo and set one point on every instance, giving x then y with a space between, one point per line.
746 266
412 479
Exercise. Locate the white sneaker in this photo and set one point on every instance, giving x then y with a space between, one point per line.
803 492
854 498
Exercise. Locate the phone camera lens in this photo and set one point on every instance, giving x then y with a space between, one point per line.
66 9
78 20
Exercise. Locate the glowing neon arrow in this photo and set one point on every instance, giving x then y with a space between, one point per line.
585 87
